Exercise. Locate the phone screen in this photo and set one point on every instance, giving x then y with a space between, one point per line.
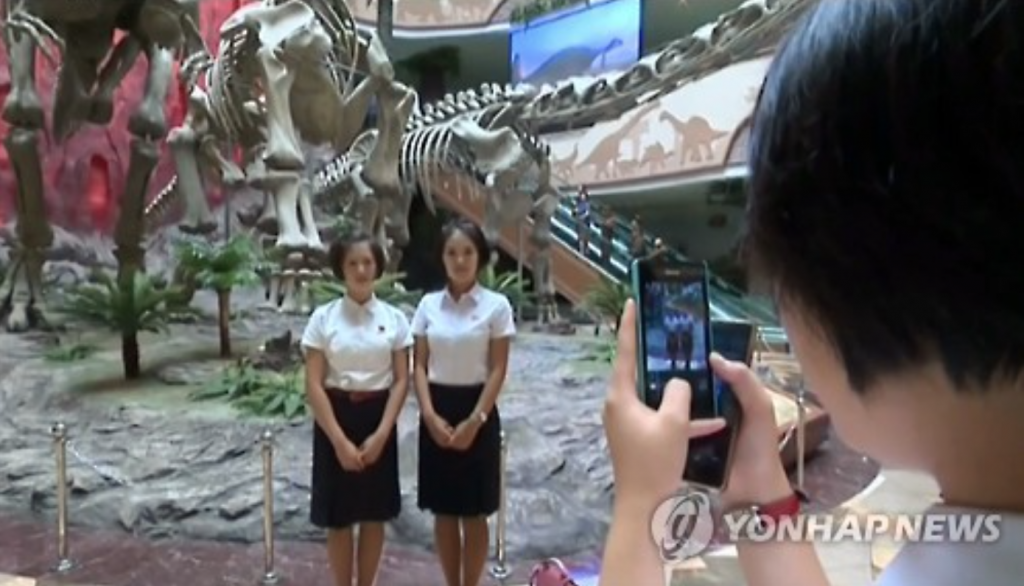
675 335
675 338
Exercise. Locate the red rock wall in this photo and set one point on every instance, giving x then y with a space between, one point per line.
85 176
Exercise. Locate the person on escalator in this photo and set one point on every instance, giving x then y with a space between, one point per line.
637 246
660 249
885 189
583 219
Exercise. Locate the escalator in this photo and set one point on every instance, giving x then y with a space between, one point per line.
574 276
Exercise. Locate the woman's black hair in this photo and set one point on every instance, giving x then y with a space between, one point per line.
340 248
474 234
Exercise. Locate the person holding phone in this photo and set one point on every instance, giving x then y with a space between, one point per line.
877 232
462 339
357 370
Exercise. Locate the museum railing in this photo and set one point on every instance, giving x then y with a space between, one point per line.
269 576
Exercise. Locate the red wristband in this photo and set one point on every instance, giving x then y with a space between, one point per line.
782 508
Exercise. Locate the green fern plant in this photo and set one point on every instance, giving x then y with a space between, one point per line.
257 392
509 284
221 268
606 301
129 308
70 353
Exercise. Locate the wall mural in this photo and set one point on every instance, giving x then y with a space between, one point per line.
85 175
439 14
684 132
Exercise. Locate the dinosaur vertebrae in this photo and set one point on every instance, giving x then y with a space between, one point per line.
466 101
740 34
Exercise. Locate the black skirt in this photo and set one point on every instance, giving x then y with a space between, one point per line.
341 498
460 483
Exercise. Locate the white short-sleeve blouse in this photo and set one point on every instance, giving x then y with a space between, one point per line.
459 333
358 341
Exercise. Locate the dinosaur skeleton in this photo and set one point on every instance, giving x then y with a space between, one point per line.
510 166
284 74
92 69
438 139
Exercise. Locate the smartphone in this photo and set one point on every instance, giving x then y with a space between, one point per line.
674 340
709 458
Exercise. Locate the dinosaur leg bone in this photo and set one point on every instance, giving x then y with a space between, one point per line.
21 295
184 145
285 187
309 228
377 60
283 148
148 120
492 224
72 101
230 173
22 107
121 60
381 170
366 210
283 27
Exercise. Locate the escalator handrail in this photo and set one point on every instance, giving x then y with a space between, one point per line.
623 231
747 305
724 305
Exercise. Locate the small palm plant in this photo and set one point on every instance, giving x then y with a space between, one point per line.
221 268
509 284
129 308
606 301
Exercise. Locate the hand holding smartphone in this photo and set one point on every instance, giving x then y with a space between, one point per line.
675 338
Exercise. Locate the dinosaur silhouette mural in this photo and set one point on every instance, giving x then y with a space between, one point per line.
564 167
605 154
695 138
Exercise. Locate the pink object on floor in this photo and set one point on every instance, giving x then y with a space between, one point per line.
551 572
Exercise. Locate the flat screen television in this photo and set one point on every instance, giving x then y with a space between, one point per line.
579 41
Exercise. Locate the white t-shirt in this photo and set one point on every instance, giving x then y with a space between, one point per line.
1000 563
358 342
459 333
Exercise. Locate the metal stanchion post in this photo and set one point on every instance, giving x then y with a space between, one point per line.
519 269
267 441
60 448
801 435
501 570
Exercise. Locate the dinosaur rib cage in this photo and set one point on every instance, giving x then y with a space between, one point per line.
423 154
426 153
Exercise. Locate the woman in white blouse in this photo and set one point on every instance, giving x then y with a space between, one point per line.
462 334
357 373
